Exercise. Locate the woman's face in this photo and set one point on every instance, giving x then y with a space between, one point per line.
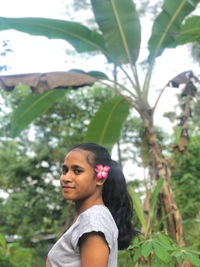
78 179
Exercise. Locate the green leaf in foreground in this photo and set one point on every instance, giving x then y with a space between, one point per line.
31 108
105 127
193 259
146 249
2 241
138 207
137 254
161 253
166 241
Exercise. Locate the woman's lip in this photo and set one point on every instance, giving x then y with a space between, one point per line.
67 188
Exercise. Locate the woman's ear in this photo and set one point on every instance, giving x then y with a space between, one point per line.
100 182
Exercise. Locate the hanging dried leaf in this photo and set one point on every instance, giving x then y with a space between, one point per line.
42 82
189 89
184 77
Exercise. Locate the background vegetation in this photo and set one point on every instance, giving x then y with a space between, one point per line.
33 214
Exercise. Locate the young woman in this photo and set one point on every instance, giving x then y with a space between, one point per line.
103 210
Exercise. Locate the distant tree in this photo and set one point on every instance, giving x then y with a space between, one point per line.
184 162
5 48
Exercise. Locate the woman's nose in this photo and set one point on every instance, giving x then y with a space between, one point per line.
66 178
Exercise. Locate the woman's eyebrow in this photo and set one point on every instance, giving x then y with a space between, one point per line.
75 166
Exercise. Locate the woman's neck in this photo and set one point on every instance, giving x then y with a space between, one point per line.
80 206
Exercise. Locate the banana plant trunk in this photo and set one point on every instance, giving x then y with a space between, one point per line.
159 169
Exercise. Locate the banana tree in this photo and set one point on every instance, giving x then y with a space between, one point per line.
118 38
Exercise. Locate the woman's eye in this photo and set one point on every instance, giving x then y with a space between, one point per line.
77 171
64 170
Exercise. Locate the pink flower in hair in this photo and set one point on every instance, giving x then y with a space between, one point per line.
102 172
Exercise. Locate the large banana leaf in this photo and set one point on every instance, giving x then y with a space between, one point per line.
105 126
190 31
119 23
31 108
167 25
79 36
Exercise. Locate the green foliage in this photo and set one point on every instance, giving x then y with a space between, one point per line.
120 25
13 255
35 168
120 29
167 25
2 242
138 207
189 31
77 35
5 261
31 107
185 178
160 250
125 258
186 184
119 41
110 117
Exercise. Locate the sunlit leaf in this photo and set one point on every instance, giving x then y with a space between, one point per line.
193 259
2 241
105 126
190 31
146 249
165 240
161 253
192 251
79 36
31 108
118 20
168 24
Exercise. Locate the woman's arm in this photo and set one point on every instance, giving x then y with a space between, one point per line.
94 250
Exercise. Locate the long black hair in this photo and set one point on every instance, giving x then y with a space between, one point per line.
115 194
